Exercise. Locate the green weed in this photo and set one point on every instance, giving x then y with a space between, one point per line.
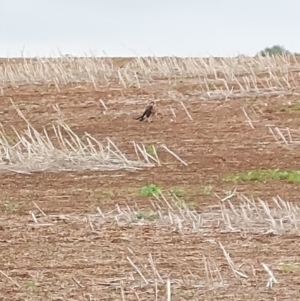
179 192
7 139
187 294
31 286
150 149
212 86
184 205
11 207
291 107
147 215
207 189
292 176
107 193
289 267
150 190
228 192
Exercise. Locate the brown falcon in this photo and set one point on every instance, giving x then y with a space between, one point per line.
148 111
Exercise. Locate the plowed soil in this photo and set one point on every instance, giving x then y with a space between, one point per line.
66 256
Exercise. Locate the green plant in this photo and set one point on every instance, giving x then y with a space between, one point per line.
10 207
212 86
147 215
107 193
5 139
228 192
291 107
31 286
150 149
187 294
289 267
292 176
179 192
150 190
184 205
207 189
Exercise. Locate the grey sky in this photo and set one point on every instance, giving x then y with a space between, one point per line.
144 27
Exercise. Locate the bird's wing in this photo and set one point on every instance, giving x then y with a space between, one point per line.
146 111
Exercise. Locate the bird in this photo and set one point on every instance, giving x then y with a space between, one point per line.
148 111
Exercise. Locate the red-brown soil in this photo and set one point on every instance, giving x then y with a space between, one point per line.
68 261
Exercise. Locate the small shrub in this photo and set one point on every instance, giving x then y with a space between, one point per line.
274 50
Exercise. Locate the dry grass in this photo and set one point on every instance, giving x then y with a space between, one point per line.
285 136
218 78
35 151
248 216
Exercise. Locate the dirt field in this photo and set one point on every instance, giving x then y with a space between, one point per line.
87 234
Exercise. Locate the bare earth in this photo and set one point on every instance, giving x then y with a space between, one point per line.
56 245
